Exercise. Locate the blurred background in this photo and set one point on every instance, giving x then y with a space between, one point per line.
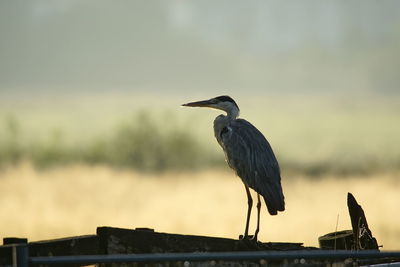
92 132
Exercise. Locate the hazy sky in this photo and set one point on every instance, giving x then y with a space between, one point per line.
183 45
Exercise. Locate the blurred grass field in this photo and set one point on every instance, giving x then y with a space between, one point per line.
75 200
310 134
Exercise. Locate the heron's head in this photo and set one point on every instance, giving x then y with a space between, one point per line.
225 103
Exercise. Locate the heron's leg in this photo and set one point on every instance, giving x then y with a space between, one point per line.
258 217
250 205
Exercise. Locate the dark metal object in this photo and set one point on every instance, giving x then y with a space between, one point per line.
222 256
360 238
363 238
337 240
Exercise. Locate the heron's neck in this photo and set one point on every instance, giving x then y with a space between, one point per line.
232 113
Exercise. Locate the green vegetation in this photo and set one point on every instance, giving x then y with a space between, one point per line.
139 143
310 134
332 142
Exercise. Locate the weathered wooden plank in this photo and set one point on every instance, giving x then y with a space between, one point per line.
117 240
14 240
77 245
120 241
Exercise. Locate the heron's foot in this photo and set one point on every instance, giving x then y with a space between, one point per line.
254 238
248 242
243 237
247 238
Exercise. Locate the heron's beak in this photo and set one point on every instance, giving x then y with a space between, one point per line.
204 103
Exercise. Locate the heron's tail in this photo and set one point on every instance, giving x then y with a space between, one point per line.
275 201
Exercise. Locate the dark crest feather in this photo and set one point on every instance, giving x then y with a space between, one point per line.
225 98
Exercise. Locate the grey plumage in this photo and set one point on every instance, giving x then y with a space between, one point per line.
247 152
251 156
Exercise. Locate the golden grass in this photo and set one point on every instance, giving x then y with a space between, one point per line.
75 200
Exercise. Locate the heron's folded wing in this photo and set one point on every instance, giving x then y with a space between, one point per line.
251 156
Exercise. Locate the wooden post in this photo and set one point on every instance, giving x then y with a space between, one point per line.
20 255
14 240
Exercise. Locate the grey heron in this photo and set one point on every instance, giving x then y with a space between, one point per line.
249 154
